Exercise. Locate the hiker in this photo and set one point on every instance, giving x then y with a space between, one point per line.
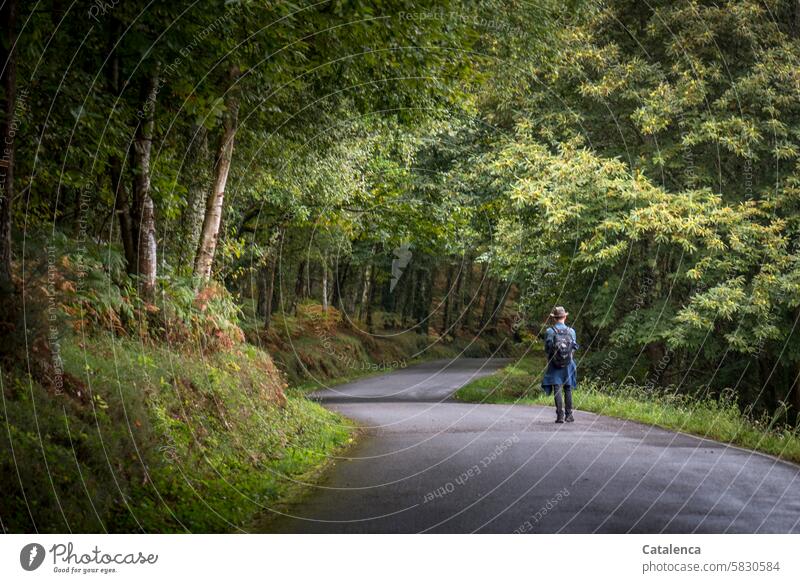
560 344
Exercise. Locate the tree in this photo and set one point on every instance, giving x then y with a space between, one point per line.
209 233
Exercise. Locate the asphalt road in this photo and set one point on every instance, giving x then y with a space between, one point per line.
428 464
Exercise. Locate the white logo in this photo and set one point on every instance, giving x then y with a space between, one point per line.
31 556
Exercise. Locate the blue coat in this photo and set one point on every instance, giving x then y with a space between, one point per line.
559 376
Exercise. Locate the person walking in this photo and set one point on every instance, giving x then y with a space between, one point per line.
561 376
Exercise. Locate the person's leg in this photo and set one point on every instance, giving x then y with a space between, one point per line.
557 391
568 404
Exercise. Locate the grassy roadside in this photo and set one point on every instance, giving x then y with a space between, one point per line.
145 437
720 420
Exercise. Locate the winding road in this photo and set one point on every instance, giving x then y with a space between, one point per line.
430 464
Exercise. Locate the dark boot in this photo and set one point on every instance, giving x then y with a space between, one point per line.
568 405
559 404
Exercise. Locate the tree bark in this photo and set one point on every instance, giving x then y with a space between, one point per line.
410 296
501 297
197 176
8 63
488 296
123 211
458 299
370 299
144 222
425 296
448 304
474 302
266 290
339 280
324 284
122 208
365 291
300 283
209 234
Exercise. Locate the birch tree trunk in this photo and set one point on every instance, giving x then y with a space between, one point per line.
197 178
209 234
324 284
144 222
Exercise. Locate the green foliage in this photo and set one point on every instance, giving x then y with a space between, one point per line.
150 439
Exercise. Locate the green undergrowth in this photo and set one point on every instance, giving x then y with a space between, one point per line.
143 437
315 347
720 419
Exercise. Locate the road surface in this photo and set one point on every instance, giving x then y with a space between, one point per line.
429 464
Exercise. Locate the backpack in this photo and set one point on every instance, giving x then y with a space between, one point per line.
561 353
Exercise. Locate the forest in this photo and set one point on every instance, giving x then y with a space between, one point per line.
202 196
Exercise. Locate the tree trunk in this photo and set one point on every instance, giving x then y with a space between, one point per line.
410 298
266 291
365 291
123 211
488 296
209 234
501 297
656 355
197 176
474 301
458 299
122 208
339 280
144 222
448 304
371 300
424 303
324 285
300 283
8 63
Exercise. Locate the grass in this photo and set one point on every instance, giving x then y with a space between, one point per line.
313 347
718 419
149 438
